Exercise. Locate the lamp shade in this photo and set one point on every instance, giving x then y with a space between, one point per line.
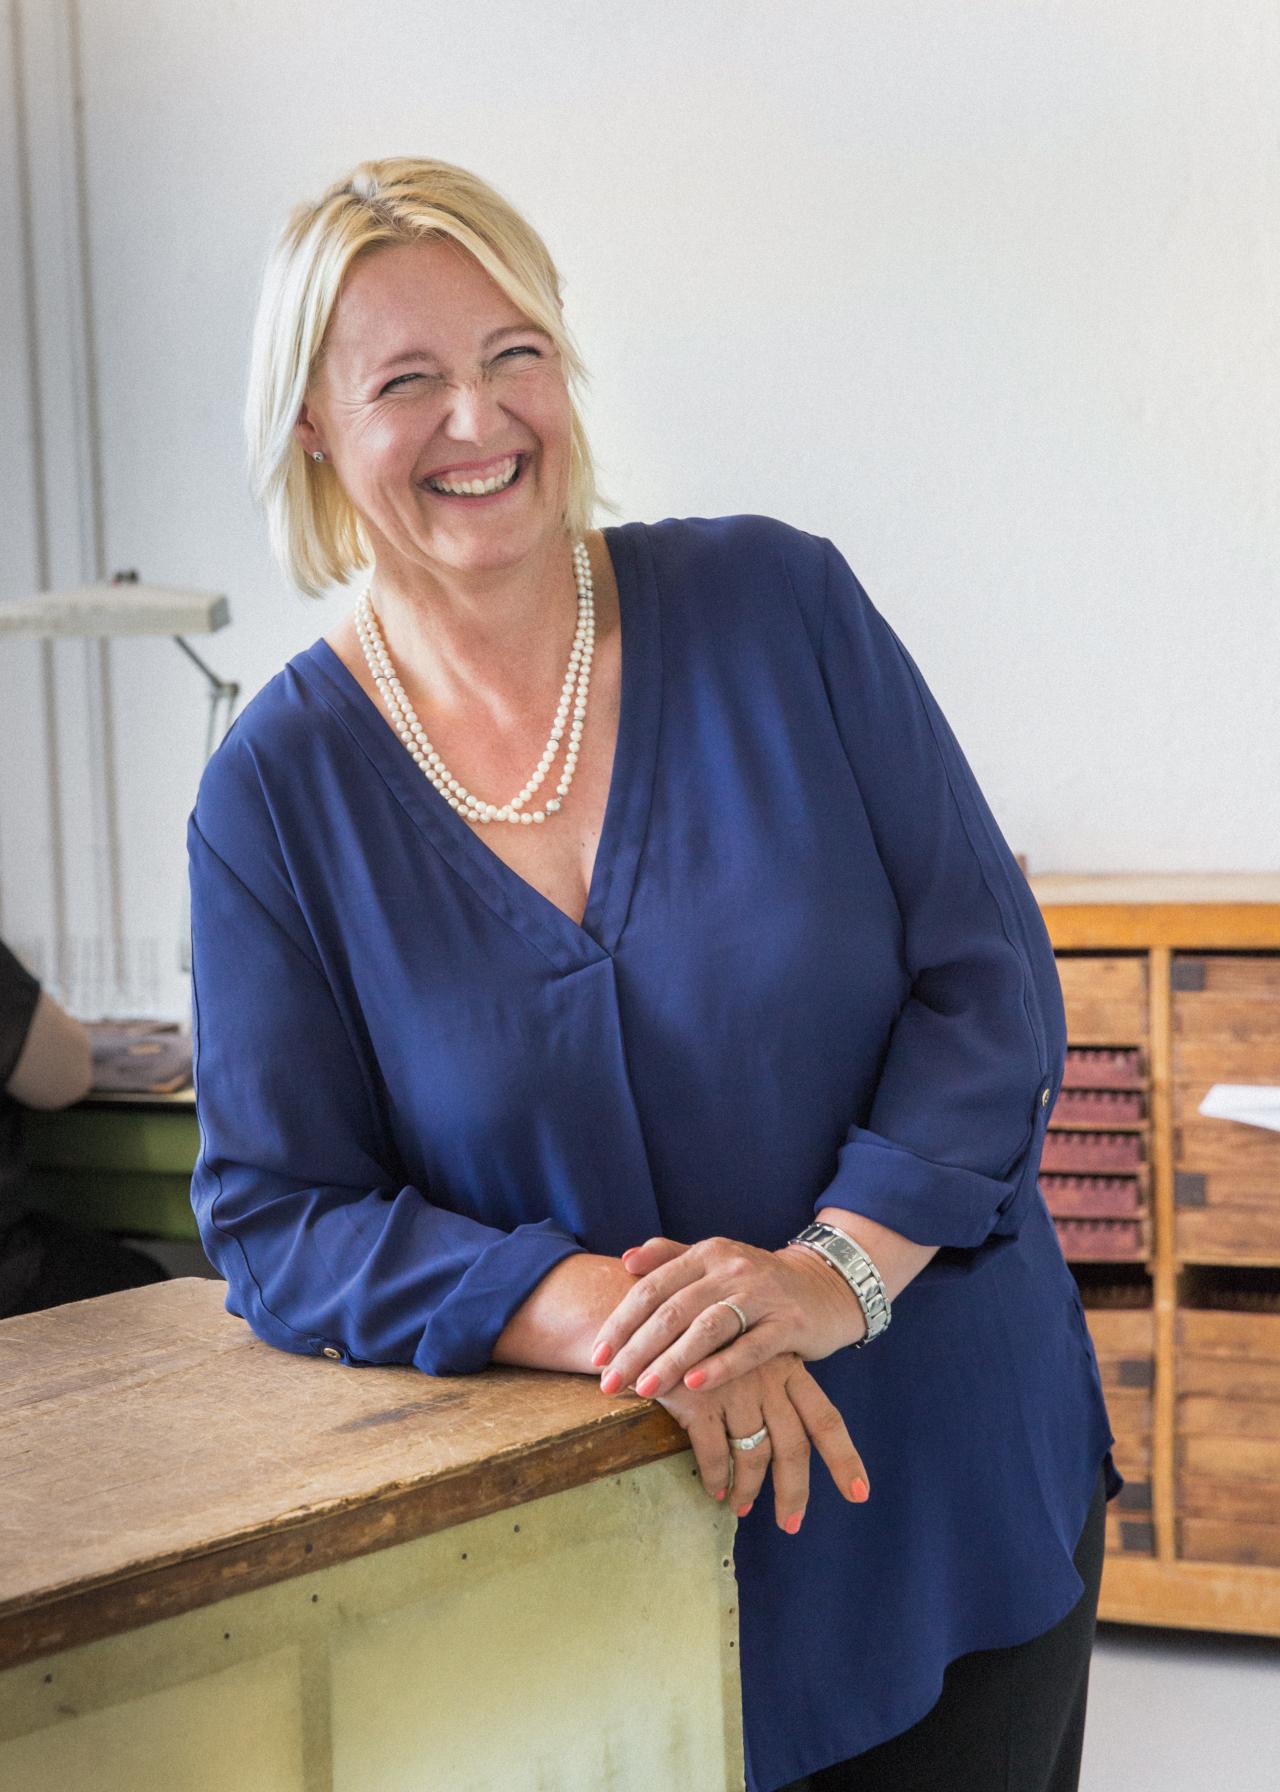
123 608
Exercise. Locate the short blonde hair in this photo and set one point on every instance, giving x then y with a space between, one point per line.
315 533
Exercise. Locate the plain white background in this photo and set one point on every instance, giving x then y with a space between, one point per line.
987 293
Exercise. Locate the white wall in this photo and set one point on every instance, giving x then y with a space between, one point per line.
987 293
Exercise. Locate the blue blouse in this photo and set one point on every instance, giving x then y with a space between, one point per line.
809 974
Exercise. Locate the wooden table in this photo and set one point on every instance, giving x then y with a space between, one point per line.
224 1568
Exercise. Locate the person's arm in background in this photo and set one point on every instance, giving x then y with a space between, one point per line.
45 1056
55 1065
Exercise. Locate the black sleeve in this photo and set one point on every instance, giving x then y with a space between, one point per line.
19 993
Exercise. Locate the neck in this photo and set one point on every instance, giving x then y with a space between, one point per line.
496 637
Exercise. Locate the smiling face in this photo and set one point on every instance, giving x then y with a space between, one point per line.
429 372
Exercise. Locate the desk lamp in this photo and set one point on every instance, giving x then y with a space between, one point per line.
123 606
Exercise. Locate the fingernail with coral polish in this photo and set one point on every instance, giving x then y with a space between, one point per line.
793 1523
860 1490
610 1382
647 1383
600 1356
743 1510
695 1378
722 1493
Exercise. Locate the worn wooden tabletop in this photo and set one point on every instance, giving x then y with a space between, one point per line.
156 1456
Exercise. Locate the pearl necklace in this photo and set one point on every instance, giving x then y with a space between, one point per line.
412 733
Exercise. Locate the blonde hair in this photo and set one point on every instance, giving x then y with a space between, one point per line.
315 533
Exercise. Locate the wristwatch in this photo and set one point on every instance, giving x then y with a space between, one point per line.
853 1263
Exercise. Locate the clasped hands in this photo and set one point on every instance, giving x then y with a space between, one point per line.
673 1340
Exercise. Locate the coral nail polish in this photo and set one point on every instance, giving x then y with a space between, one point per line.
743 1510
600 1356
610 1382
647 1384
860 1490
793 1523
695 1378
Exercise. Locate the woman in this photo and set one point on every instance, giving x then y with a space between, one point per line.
540 1042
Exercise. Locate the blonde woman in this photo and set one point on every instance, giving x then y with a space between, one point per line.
605 961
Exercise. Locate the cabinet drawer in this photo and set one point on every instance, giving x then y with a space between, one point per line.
1106 999
1124 1342
1093 1153
1099 1109
1226 1019
1230 1502
1207 1332
1101 1241
1092 1197
1226 1185
1217 1540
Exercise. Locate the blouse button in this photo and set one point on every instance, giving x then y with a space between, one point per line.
1044 1098
335 1356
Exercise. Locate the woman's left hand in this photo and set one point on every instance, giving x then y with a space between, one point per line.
672 1325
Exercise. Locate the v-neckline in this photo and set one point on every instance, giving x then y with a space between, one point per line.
569 943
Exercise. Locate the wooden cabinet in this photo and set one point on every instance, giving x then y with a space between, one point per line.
1171 1224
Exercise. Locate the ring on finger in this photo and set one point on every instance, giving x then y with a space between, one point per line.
749 1443
736 1310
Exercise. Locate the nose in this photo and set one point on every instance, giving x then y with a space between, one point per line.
471 410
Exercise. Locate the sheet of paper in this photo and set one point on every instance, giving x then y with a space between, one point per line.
1252 1104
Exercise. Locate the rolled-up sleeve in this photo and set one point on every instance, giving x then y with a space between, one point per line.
297 1195
950 1151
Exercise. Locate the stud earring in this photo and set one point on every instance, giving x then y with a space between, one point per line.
317 454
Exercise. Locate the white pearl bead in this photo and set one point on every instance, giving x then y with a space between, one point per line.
574 690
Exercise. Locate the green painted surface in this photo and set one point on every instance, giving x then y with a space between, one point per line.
585 1642
123 1169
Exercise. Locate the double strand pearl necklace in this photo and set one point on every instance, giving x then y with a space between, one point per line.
412 733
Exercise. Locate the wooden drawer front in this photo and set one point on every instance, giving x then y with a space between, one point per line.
1102 1241
1106 999
1226 1233
1225 1150
1093 1153
1103 1067
1123 1343
1228 1540
1092 1197
1251 1337
1231 1502
1226 1019
1228 1436
1226 1186
1095 1110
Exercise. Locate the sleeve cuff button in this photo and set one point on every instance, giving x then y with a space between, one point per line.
335 1356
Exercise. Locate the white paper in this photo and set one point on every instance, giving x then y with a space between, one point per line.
1252 1104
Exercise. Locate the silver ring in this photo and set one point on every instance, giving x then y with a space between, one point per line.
749 1443
734 1308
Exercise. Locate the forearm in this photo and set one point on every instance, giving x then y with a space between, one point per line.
557 1325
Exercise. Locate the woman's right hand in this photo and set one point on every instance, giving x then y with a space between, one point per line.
784 1396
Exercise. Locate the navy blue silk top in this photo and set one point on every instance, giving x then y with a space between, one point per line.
809 974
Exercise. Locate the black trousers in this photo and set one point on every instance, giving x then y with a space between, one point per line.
1007 1720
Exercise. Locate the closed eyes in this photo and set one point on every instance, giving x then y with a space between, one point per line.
402 379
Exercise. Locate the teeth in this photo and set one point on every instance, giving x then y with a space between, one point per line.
471 488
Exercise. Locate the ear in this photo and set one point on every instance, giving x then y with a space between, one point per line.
306 431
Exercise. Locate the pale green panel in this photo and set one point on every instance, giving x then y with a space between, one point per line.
583 1642
568 1645
199 1736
